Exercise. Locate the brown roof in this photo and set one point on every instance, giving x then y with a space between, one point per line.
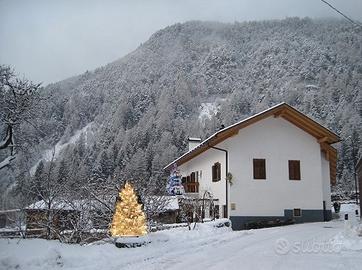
324 136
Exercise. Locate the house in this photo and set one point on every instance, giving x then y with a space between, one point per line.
90 215
162 209
59 216
276 165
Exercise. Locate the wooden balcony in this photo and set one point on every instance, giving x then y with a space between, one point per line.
191 187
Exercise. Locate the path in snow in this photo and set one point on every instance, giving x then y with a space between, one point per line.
206 248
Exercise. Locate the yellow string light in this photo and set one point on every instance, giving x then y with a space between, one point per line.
128 218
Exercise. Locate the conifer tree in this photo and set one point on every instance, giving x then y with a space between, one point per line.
128 218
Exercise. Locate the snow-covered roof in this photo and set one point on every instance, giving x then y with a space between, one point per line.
156 203
162 203
76 205
292 115
56 205
193 139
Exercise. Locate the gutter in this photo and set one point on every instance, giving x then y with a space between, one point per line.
226 174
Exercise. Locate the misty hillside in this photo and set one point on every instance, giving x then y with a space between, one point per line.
187 80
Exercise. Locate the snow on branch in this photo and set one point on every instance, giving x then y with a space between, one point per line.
8 138
6 162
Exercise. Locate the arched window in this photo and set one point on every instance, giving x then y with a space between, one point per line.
216 172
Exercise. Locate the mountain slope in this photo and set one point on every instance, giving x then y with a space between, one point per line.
145 105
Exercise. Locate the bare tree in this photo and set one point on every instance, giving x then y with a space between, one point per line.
44 186
16 104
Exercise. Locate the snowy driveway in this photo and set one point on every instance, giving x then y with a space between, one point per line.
303 246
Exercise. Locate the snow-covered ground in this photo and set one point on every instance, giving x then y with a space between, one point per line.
323 245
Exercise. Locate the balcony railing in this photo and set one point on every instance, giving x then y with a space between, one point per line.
191 187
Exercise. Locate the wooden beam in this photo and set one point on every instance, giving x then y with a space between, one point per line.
303 127
279 113
305 122
323 139
323 135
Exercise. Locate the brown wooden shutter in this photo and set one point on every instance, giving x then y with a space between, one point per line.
259 168
216 172
294 169
213 173
218 175
193 177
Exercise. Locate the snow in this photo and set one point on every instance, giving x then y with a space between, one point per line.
312 86
6 161
348 207
6 139
222 130
206 247
166 203
193 139
159 203
42 205
48 154
68 204
208 109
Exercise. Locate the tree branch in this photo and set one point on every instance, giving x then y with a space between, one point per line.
6 162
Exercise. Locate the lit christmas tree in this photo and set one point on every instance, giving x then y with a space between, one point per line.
128 218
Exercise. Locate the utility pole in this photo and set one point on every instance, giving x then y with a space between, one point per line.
354 160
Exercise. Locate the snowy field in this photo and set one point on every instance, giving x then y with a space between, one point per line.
329 245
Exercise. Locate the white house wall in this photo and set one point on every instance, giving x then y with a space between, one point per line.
278 141
203 163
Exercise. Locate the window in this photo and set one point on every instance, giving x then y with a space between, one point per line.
190 183
216 172
297 212
183 180
259 168
294 169
193 177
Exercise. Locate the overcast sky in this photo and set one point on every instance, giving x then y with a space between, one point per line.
49 40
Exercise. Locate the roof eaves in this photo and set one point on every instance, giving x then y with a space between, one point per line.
221 131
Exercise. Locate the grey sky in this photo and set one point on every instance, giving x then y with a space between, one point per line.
48 40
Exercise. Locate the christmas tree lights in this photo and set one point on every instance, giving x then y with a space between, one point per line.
128 218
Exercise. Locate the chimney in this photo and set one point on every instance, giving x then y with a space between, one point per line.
193 142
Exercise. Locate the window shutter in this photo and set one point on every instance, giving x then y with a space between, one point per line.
294 169
193 178
216 172
218 166
259 168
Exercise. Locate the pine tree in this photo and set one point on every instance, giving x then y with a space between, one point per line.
128 219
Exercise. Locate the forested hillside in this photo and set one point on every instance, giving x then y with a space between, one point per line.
140 110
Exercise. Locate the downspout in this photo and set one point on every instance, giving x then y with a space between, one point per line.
226 176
